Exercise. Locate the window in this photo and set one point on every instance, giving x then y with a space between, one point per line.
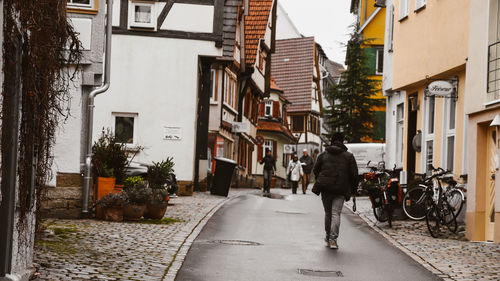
430 104
493 86
230 86
142 15
450 107
82 5
262 61
268 145
314 126
390 30
268 111
298 123
125 126
419 4
379 64
404 6
400 123
214 82
429 148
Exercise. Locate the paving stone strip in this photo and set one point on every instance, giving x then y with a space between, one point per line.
451 257
99 250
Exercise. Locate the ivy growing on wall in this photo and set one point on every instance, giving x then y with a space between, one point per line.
40 32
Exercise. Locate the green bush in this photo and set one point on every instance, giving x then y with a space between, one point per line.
109 157
133 181
160 172
113 200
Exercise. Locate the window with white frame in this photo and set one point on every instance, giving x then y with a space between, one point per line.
142 14
404 9
81 4
391 28
268 109
230 90
450 109
430 108
125 127
268 146
213 81
419 4
379 62
400 130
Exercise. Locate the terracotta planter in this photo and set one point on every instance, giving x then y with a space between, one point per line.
156 211
113 214
133 212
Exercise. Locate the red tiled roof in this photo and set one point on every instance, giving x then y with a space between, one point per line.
255 26
293 68
272 126
275 86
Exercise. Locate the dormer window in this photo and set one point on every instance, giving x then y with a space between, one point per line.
142 15
268 112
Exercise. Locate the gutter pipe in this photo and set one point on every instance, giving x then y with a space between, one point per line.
87 179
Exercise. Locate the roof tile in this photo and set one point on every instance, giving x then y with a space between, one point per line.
255 26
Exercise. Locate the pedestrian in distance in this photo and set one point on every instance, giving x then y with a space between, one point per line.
307 166
294 172
336 175
268 171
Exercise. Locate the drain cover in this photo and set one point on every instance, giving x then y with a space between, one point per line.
291 212
320 273
236 242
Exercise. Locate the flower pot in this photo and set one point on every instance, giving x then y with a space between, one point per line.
156 211
113 214
133 212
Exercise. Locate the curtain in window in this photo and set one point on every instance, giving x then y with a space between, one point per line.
142 14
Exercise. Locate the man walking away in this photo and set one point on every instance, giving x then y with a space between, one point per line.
294 172
268 172
307 166
337 178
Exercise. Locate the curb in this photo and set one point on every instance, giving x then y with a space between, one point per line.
180 254
408 252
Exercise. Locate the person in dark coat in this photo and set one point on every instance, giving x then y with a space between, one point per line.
336 175
268 172
307 166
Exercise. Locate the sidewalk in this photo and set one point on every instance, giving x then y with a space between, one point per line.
99 250
452 258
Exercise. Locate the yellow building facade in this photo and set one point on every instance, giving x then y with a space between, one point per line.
371 20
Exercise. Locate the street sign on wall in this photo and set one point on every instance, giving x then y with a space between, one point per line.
259 140
441 88
240 127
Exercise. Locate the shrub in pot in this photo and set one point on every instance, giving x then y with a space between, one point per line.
112 206
109 157
138 195
158 203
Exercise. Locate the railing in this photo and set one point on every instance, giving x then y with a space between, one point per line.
493 86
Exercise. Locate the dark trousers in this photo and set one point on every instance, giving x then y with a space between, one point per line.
306 179
295 184
268 177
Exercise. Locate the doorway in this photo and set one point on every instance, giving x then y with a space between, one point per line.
491 152
411 132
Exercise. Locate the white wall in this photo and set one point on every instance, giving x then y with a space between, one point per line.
188 17
161 87
285 28
391 128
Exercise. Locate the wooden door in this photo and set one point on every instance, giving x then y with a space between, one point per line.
490 184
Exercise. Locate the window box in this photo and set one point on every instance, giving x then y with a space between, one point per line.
142 15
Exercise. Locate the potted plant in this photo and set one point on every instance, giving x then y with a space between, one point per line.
112 206
159 177
138 195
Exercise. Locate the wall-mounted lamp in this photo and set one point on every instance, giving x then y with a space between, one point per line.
496 121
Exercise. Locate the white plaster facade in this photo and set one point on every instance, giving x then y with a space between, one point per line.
285 28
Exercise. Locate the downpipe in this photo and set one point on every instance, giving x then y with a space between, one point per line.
87 179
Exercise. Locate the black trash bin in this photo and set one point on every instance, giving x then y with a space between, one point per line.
223 174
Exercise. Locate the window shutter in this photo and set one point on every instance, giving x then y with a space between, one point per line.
275 149
259 153
419 4
276 109
403 9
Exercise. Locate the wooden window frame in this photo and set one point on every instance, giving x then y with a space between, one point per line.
131 15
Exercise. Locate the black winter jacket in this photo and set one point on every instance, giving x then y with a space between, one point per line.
309 163
336 171
269 163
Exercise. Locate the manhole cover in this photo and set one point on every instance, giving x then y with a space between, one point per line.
291 212
236 242
320 273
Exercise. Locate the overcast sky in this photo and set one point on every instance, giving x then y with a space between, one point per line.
327 20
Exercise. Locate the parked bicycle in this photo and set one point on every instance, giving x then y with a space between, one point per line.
431 200
384 191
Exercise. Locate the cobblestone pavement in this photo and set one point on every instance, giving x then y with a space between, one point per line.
452 258
99 250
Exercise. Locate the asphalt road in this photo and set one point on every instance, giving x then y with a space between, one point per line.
256 238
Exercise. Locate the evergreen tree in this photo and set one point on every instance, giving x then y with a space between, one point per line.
352 101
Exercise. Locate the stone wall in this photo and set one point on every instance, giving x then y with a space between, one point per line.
63 201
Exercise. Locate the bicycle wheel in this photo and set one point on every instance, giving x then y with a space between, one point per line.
389 216
456 200
380 214
433 221
449 217
414 203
